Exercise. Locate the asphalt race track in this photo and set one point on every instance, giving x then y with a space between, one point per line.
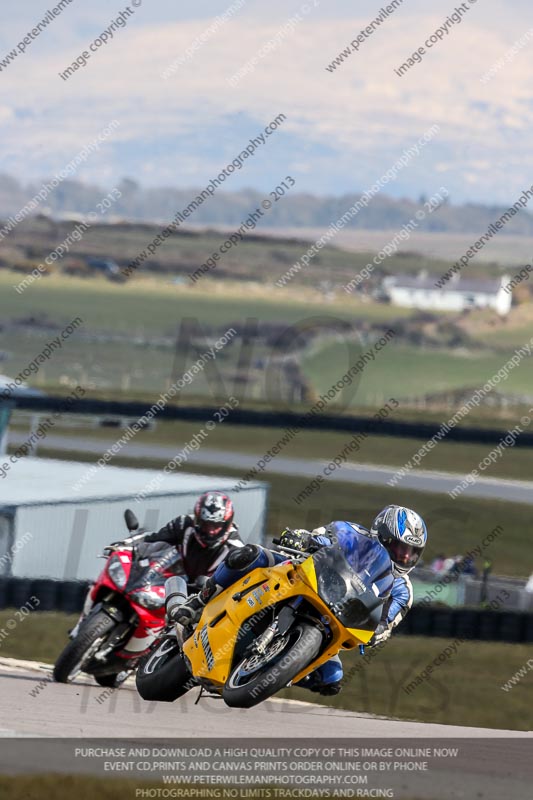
417 480
84 711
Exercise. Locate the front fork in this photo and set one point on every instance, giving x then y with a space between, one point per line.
86 610
279 626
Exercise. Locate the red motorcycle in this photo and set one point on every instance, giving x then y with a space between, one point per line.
127 615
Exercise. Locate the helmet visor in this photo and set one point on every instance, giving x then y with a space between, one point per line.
403 554
210 530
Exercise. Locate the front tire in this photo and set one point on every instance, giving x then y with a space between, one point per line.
246 686
162 674
91 635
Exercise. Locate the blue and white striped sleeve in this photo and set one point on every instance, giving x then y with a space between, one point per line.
401 600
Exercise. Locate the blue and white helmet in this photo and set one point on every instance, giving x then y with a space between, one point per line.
403 533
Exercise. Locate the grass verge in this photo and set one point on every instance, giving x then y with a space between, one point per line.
39 637
464 690
65 787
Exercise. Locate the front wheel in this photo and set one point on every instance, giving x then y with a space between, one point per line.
162 674
259 676
92 633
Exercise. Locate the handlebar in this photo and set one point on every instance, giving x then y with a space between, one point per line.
290 551
124 544
282 548
113 549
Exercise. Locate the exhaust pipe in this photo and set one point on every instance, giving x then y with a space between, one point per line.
175 593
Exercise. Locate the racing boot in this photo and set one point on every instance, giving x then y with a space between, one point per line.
326 680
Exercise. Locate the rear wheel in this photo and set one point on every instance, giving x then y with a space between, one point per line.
92 634
259 676
162 674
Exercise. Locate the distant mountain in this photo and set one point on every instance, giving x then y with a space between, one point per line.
231 208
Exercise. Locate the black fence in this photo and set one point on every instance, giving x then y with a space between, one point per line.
276 419
67 596
460 623
469 623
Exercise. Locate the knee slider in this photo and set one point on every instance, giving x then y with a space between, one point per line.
331 671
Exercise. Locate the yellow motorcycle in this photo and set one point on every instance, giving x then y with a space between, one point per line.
274 626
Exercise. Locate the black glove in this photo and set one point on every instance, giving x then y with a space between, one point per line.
298 539
189 613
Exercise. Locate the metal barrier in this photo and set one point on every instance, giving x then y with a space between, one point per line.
469 623
464 590
277 419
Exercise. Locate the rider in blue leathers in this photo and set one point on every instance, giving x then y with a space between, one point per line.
400 530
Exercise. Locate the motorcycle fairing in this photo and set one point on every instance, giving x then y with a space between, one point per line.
211 650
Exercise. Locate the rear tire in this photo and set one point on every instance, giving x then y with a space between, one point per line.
92 634
162 674
247 690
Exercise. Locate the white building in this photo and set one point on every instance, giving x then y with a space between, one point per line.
456 295
47 530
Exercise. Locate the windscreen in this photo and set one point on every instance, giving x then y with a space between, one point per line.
354 578
367 558
151 563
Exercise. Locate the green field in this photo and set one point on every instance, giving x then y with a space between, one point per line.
408 372
156 306
127 342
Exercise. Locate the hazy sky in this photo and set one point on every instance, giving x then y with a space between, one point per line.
343 129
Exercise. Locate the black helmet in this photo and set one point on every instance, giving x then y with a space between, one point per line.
213 515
